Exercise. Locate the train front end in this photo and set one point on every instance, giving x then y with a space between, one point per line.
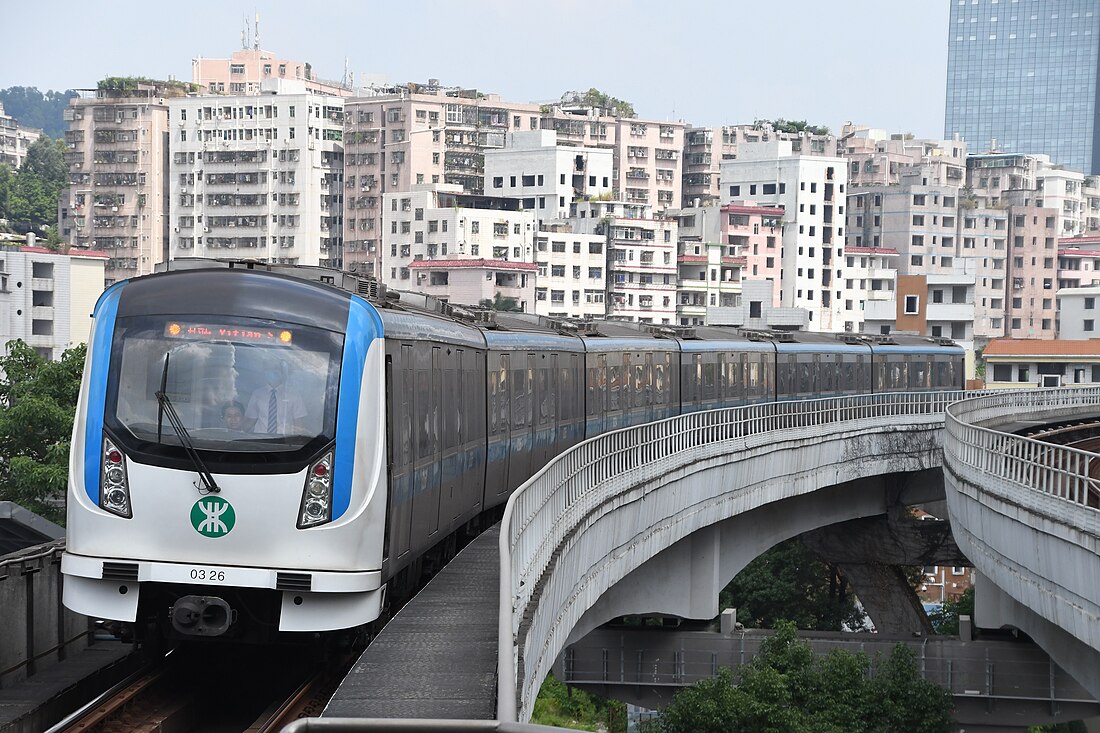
227 476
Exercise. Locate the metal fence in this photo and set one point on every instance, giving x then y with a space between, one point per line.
38 630
1060 471
544 517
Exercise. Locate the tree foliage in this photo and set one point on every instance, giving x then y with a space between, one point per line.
28 196
795 126
945 619
563 707
32 108
787 690
37 405
595 98
501 303
790 582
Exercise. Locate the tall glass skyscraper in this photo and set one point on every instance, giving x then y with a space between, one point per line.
1023 73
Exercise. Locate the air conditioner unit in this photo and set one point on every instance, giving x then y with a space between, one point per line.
206 229
176 230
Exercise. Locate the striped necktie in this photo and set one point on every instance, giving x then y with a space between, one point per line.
272 413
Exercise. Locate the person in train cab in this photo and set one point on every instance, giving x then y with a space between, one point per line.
233 415
273 408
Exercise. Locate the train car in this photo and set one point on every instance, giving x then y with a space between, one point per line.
255 453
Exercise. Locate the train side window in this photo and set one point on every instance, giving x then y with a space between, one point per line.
504 397
647 379
423 418
519 397
625 399
659 382
531 394
697 384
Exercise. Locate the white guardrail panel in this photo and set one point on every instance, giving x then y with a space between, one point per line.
546 515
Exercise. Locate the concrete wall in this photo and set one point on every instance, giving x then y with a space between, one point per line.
38 630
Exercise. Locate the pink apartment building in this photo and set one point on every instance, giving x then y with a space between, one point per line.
245 70
755 234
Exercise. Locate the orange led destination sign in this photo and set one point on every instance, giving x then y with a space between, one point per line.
221 332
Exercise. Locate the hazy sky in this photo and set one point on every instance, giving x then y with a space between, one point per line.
877 62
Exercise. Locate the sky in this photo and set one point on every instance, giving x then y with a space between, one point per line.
880 63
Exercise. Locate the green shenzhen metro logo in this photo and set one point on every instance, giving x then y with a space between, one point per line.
213 516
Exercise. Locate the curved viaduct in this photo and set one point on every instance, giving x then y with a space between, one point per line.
658 518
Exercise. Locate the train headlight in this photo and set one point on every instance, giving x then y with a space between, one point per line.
114 488
317 497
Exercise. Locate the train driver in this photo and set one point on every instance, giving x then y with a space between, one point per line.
273 408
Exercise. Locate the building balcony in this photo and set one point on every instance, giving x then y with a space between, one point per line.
692 285
880 310
42 283
950 312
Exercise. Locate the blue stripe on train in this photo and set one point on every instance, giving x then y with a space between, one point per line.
106 310
364 326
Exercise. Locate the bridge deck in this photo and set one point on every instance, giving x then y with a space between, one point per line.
437 657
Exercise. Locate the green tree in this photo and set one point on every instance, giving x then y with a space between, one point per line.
32 108
790 582
595 98
37 405
28 197
795 126
786 690
561 706
945 619
501 303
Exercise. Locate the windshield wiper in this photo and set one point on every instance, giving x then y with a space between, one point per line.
167 408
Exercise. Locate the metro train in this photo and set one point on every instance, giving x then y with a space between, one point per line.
261 449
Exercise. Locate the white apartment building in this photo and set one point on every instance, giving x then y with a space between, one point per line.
708 268
15 140
545 176
812 191
572 273
115 202
258 176
47 298
1079 313
438 222
641 259
869 277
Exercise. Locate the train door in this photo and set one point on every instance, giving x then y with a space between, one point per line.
453 419
520 442
499 427
401 438
426 402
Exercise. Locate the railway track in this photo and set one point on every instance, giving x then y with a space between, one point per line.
225 690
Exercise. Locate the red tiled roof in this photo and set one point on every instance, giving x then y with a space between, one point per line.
1042 347
870 250
1079 252
1070 241
691 258
727 260
472 264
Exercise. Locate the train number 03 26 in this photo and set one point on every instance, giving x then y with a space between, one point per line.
208 574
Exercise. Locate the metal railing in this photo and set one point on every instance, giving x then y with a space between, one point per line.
546 515
30 604
1060 471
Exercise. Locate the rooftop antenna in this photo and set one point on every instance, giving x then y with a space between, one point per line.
345 82
244 34
257 34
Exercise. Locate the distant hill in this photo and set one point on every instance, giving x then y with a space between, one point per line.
35 109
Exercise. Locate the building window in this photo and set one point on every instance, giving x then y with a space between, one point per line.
912 305
1088 324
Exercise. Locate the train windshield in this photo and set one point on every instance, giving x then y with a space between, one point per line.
238 385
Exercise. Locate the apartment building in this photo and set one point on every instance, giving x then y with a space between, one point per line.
246 71
811 189
1032 279
572 273
258 176
1078 262
117 141
721 250
414 135
641 258
937 305
15 140
1079 313
545 176
870 275
47 298
441 225
877 158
